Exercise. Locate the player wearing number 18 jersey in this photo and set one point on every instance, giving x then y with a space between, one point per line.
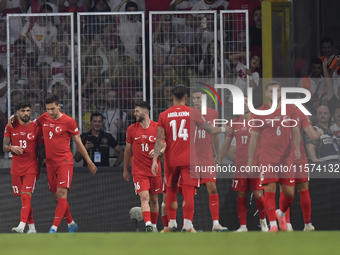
141 138
25 137
242 180
178 124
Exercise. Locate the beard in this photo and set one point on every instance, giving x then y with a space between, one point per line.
141 118
24 120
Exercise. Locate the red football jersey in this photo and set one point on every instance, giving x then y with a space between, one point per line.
203 139
143 141
242 133
57 135
275 138
27 137
179 123
302 122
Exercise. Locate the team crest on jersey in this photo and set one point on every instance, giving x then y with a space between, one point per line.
58 129
105 140
152 138
30 136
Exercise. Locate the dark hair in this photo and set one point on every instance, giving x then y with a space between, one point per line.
195 90
52 99
131 4
316 61
22 104
179 91
96 114
19 41
257 8
143 104
271 83
46 7
326 40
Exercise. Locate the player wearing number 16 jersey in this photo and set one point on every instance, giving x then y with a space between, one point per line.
25 136
178 125
141 138
242 180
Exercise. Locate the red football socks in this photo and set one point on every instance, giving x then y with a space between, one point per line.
165 221
306 205
188 199
285 202
261 207
242 210
30 217
67 215
154 217
171 197
269 200
60 211
214 205
26 207
146 216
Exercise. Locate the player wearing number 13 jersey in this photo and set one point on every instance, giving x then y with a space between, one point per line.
58 129
141 138
25 136
178 125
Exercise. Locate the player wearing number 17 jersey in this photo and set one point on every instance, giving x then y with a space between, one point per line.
25 137
178 125
242 180
141 138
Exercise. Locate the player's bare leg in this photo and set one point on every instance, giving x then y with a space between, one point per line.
214 205
145 207
242 211
259 199
285 202
305 203
171 207
270 204
154 210
26 209
164 215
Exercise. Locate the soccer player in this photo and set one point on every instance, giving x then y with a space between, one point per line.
25 138
58 128
178 124
205 144
241 180
274 150
141 138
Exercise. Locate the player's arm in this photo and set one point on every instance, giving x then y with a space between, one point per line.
120 157
231 154
41 157
78 156
216 130
157 150
82 150
297 141
127 158
252 147
224 149
215 144
5 144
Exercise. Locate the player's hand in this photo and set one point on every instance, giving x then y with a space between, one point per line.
88 145
151 153
92 167
217 161
11 120
154 168
228 130
297 153
126 175
17 150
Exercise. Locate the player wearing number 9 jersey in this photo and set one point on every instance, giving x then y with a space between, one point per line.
58 129
25 138
178 125
141 138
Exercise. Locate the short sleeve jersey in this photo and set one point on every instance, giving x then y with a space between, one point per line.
179 123
203 139
142 141
241 132
275 134
27 137
57 135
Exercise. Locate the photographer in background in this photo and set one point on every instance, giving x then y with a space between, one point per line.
98 143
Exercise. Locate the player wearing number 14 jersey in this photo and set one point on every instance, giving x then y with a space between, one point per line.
178 125
25 136
141 138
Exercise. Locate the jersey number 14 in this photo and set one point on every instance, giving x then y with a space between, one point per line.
182 132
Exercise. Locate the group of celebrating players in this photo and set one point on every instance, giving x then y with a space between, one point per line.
182 139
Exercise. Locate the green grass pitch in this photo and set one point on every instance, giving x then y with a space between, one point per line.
172 243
